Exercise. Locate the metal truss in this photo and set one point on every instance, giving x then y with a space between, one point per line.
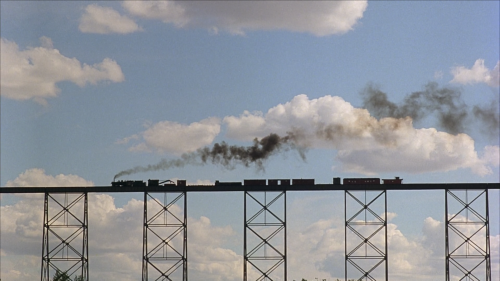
265 236
467 235
65 235
164 252
366 250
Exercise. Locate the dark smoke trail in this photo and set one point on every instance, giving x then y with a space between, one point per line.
489 118
446 102
226 155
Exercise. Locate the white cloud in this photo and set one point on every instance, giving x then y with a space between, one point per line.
320 18
478 73
104 20
112 258
37 177
315 246
33 73
365 145
172 137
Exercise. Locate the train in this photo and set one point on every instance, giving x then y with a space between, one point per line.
254 182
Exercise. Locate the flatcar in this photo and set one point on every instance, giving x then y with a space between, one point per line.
361 181
228 183
128 183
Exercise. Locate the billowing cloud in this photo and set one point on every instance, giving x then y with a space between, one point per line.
33 73
172 137
315 246
478 73
320 18
104 20
38 177
110 258
364 144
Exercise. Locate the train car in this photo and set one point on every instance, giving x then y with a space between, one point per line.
362 181
336 181
302 181
254 182
227 183
278 182
128 183
153 182
396 180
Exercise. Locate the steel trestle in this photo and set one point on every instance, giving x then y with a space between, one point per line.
165 236
467 235
366 220
65 236
265 236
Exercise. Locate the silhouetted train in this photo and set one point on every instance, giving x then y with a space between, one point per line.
253 182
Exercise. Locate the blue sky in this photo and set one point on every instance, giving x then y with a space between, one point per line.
90 89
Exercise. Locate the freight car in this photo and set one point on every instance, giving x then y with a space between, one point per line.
375 181
150 183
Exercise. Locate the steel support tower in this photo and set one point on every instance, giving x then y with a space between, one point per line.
366 235
65 236
164 253
467 235
265 236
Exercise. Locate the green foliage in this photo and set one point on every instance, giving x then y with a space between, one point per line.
63 276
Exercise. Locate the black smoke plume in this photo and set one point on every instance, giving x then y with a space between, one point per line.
226 155
451 110
489 118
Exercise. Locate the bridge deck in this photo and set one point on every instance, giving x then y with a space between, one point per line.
234 188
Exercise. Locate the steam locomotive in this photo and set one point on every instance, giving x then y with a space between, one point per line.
253 182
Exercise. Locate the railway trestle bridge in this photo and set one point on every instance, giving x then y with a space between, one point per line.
164 256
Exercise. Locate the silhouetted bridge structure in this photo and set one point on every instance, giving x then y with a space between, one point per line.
164 257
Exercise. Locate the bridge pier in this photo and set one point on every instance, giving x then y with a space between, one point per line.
365 235
65 235
265 236
164 253
467 235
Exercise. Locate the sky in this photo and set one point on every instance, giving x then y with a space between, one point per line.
379 89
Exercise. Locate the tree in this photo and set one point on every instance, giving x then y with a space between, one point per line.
63 276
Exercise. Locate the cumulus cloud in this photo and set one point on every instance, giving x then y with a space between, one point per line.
104 20
478 73
364 144
320 18
33 73
173 137
37 177
112 258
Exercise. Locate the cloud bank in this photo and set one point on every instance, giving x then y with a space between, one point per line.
33 73
316 246
37 177
321 18
104 20
363 143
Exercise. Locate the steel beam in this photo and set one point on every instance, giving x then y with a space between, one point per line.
467 235
366 235
65 236
265 238
164 252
